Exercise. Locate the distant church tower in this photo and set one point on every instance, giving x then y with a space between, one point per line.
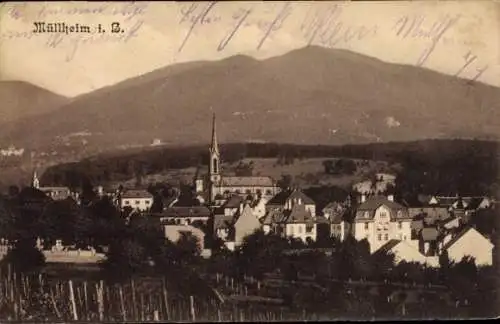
214 171
35 183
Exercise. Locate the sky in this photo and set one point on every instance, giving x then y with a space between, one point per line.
458 38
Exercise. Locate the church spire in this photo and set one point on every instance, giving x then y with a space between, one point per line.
214 147
36 182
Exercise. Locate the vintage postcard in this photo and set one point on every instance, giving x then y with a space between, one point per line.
249 161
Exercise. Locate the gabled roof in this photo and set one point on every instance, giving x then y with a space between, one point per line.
233 202
283 196
298 214
458 236
274 216
369 207
247 181
388 246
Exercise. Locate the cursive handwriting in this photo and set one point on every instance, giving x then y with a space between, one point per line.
413 27
277 23
127 11
240 17
469 59
199 19
326 28
75 41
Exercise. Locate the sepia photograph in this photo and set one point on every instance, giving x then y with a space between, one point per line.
249 161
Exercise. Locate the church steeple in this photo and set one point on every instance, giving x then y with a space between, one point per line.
35 182
214 170
214 146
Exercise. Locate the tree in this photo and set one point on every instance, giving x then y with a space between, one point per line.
286 182
125 257
24 256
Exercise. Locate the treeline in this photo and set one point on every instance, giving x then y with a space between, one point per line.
350 262
432 166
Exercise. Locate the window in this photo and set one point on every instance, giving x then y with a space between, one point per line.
147 202
380 237
137 202
366 215
387 237
268 192
127 202
215 166
300 229
383 214
309 228
291 230
366 226
400 225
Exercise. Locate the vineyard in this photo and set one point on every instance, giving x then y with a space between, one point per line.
41 297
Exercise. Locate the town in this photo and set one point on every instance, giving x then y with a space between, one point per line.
249 236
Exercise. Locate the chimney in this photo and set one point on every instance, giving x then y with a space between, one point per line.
390 197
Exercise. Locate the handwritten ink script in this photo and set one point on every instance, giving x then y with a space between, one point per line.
228 26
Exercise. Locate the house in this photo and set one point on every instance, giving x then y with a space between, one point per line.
294 221
136 199
246 223
233 227
216 186
287 199
407 251
380 219
469 243
185 215
339 218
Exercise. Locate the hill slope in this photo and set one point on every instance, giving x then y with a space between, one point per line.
20 99
310 95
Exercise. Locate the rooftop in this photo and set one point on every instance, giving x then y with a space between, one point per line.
136 193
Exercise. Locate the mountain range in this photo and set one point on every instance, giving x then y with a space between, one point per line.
311 95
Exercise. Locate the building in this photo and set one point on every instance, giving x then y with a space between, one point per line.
408 251
379 220
218 186
56 193
285 200
293 221
185 215
136 199
468 243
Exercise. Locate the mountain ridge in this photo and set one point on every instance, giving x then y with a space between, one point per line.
308 95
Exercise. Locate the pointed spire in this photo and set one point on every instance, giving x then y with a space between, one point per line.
214 147
36 182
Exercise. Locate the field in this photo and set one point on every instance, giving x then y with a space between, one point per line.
305 172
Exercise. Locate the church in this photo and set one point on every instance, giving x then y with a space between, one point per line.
217 187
